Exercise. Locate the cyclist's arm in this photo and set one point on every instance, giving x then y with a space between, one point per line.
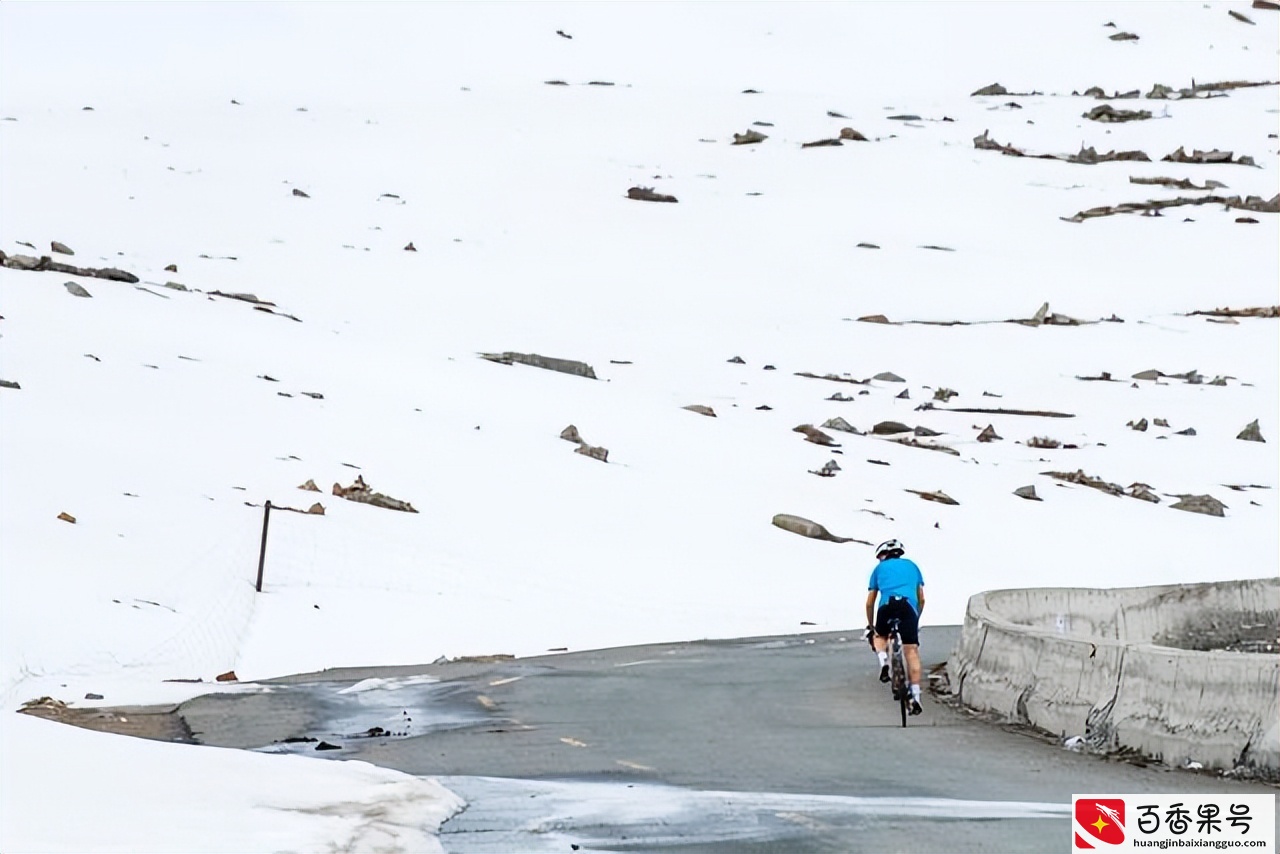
920 598
871 606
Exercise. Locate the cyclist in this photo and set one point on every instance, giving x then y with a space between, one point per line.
898 584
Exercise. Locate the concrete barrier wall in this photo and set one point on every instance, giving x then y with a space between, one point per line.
1081 662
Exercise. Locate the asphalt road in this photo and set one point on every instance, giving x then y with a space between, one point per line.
768 744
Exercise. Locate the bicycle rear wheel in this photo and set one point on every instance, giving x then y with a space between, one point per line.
901 691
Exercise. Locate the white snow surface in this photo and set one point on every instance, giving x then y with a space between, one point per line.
144 413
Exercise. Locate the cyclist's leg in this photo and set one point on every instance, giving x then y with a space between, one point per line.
881 641
910 626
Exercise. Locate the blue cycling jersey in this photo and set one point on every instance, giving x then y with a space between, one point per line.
897 576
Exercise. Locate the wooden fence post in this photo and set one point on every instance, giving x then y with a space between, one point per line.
262 555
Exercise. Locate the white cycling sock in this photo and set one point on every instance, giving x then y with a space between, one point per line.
915 693
884 658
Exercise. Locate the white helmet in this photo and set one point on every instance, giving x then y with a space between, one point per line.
888 549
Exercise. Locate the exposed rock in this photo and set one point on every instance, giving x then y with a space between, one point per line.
570 434
1105 376
300 194
888 377
172 268
873 318
92 696
1160 422
1260 311
1240 17
592 451
905 394
921 430
1124 37
1190 431
885 428
852 135
808 528
67 517
944 394
748 138
1140 425
700 409
360 492
1266 4
840 398
1148 375
564 366
828 469
314 395
176 286
310 486
988 434
737 360
1176 183
993 89
316 509
1142 492
76 290
1028 492
912 442
241 297
409 247
1043 442
938 496
1083 479
9 384
1214 156
61 248
813 434
229 676
647 194
841 425
1251 432
821 143
324 745
832 377
1108 113
1205 504
979 410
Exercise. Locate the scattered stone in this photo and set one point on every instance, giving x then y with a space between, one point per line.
1142 492
988 434
564 366
1205 504
1105 376
9 384
647 194
1083 479
878 462
1140 425
1190 431
314 395
886 428
905 117
748 138
316 509
1251 432
229 676
76 290
172 268
925 431
939 496
873 318
410 247
1028 492
852 135
67 517
93 696
808 528
562 34
324 745
61 248
310 486
764 407
360 492
841 425
44 262
1177 183
840 398
1160 422
1239 17
813 434
832 378
871 246
176 286
700 409
888 377
1266 4
937 248
570 434
905 394
737 360
1246 220
556 83
1124 37
944 394
821 143
300 194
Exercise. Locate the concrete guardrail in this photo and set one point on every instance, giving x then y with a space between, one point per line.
1107 665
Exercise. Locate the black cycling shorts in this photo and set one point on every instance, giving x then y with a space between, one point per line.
908 622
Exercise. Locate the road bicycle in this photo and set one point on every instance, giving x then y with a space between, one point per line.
898 669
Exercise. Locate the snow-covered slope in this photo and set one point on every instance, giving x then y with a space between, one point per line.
146 413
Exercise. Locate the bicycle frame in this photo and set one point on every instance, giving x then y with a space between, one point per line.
898 669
